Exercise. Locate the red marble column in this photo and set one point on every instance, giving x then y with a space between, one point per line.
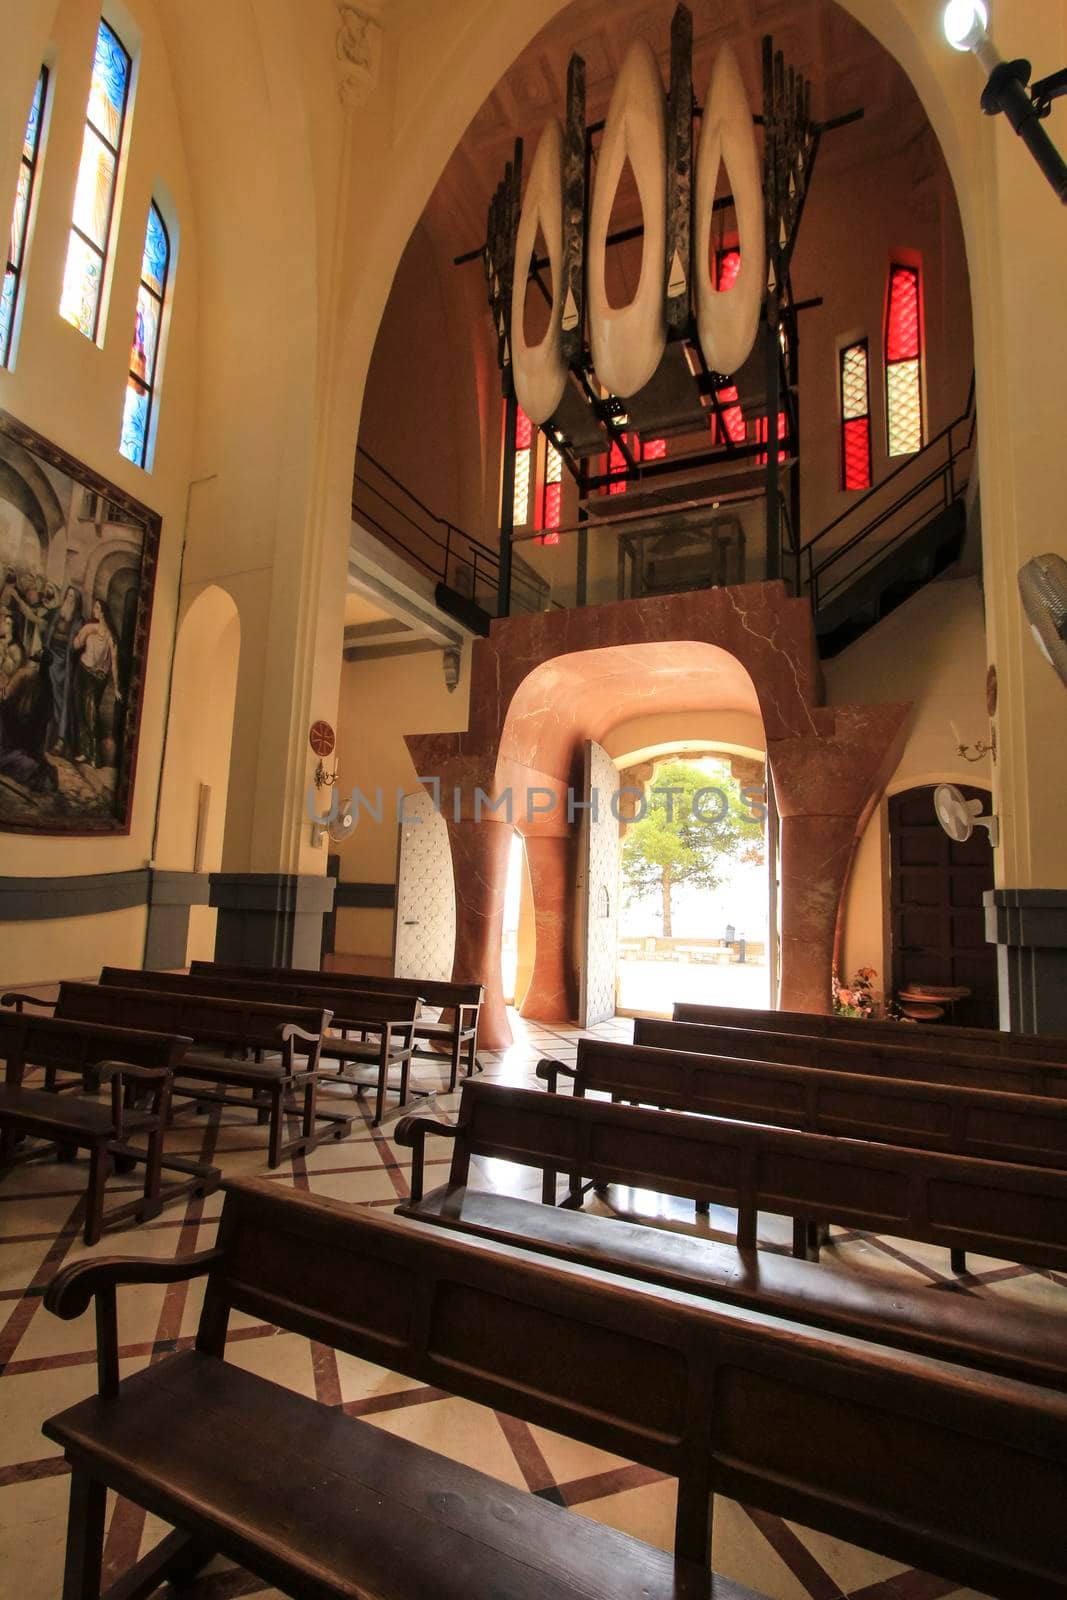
553 992
816 852
480 865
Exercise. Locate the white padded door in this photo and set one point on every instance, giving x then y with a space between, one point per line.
425 894
598 889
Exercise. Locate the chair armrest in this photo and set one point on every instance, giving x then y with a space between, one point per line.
411 1132
548 1070
121 1073
21 1000
70 1291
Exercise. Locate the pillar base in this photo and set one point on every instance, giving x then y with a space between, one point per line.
170 894
1029 928
270 919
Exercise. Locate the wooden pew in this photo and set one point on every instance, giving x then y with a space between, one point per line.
244 1030
132 1064
995 1337
463 1000
1030 1129
1014 1212
390 1017
845 1437
972 1041
925 1063
993 1126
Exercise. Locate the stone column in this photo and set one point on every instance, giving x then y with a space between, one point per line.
815 856
552 995
1029 928
480 853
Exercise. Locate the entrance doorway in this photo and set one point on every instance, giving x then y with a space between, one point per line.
694 912
938 921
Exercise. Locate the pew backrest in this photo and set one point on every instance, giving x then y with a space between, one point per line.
229 1024
975 1122
973 1041
29 1040
817 1426
1015 1212
433 991
927 1063
350 1007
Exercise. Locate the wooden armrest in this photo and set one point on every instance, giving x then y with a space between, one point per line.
548 1070
289 1030
20 1000
70 1291
411 1132
106 1070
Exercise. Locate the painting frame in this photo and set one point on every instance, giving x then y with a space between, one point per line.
121 665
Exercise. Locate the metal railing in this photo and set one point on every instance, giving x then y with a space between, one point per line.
924 485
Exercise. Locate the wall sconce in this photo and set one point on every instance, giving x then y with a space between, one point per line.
965 23
977 751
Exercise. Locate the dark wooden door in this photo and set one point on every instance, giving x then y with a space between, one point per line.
936 898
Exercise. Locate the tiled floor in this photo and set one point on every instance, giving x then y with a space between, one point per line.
46 1364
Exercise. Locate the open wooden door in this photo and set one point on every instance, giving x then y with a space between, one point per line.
598 888
424 942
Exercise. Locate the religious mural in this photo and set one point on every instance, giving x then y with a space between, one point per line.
77 568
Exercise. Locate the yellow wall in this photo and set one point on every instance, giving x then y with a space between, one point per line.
930 651
381 701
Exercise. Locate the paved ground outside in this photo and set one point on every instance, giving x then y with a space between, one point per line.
655 985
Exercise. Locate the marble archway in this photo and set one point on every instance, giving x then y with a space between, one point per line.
542 684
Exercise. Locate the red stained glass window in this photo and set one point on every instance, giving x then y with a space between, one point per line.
524 436
763 433
729 267
617 463
551 497
903 361
855 394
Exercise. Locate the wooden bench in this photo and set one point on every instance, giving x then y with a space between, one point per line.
971 1041
994 1337
270 1054
915 1459
1014 1212
134 1065
925 1063
390 1017
459 1032
1030 1129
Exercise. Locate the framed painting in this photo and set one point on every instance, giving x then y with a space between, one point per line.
77 571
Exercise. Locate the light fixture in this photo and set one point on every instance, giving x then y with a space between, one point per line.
1007 91
964 22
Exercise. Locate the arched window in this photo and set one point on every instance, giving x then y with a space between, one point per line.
144 353
94 196
20 221
855 417
903 361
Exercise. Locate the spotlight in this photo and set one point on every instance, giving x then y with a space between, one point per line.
965 22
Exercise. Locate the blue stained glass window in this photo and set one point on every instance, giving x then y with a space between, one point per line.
94 195
20 218
144 352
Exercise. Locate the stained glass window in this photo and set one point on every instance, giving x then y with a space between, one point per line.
524 440
20 219
855 417
763 434
551 496
94 195
144 353
728 422
903 361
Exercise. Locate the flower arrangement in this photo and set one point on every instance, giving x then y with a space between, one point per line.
857 999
